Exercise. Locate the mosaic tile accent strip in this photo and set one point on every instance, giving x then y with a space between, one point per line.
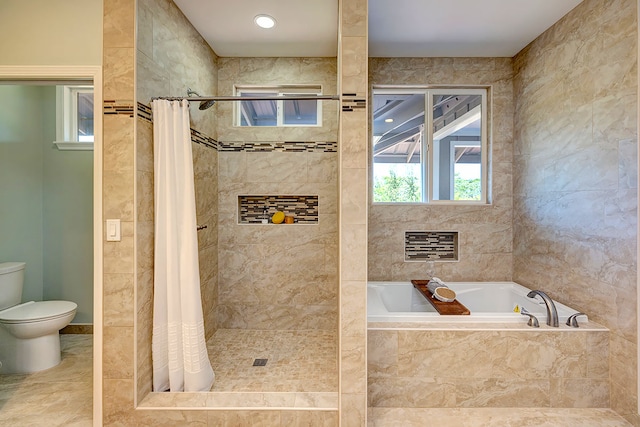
353 102
279 146
202 139
431 245
304 209
145 113
110 107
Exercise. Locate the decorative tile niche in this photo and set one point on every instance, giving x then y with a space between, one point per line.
431 246
304 209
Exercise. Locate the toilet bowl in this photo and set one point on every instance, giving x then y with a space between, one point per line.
29 332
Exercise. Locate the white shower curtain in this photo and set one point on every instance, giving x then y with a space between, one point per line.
179 350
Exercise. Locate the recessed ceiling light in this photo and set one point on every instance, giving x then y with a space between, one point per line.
264 21
389 120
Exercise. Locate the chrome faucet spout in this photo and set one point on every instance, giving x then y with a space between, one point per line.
552 312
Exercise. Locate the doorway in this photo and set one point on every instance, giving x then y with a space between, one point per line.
72 75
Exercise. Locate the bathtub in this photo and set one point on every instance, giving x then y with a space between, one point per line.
487 302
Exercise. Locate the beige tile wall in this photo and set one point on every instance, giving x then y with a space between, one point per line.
171 57
164 67
270 72
118 202
575 202
277 276
119 179
484 368
352 74
485 232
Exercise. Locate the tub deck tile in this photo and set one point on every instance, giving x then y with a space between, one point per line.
490 417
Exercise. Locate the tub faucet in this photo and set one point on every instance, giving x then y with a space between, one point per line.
533 321
552 312
573 320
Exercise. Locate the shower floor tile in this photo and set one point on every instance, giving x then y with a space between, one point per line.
297 361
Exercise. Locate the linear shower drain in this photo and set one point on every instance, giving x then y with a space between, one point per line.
260 362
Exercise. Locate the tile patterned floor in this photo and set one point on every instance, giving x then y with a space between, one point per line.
60 396
297 361
302 360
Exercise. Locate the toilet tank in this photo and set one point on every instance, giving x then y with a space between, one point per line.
11 281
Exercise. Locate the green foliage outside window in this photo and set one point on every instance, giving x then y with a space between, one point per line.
466 189
394 188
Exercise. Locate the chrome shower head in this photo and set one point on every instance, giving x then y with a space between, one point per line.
203 104
206 104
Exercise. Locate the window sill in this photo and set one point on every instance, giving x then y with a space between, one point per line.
73 146
435 203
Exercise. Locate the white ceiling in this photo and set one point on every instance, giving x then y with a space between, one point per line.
303 27
397 28
435 28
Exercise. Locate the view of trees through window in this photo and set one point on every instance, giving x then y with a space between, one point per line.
396 188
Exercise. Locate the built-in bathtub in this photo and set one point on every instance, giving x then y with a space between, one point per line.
417 358
497 302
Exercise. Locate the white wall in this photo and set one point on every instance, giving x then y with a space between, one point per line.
51 32
67 204
46 215
21 133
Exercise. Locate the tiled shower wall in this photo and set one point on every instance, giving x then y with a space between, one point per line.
485 232
278 276
575 202
276 71
172 57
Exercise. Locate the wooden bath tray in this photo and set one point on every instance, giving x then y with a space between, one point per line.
446 308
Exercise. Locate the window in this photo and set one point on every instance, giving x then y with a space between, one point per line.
74 115
429 145
279 112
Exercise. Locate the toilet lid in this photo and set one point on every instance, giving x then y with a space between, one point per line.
33 311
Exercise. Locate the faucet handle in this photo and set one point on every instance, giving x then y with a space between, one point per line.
533 320
573 320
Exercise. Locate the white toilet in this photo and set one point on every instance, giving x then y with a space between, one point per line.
29 332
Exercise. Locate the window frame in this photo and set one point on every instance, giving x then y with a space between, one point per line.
281 91
428 148
67 117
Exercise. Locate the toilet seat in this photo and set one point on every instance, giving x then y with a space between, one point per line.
30 312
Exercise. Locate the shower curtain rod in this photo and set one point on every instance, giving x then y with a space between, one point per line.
250 98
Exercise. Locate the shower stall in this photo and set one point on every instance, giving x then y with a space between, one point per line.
271 326
269 291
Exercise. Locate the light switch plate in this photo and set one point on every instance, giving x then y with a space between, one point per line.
113 230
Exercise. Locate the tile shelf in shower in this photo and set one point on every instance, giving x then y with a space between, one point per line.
431 246
304 208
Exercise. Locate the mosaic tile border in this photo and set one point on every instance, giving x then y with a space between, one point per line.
353 102
145 113
304 209
202 139
280 146
112 107
431 246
